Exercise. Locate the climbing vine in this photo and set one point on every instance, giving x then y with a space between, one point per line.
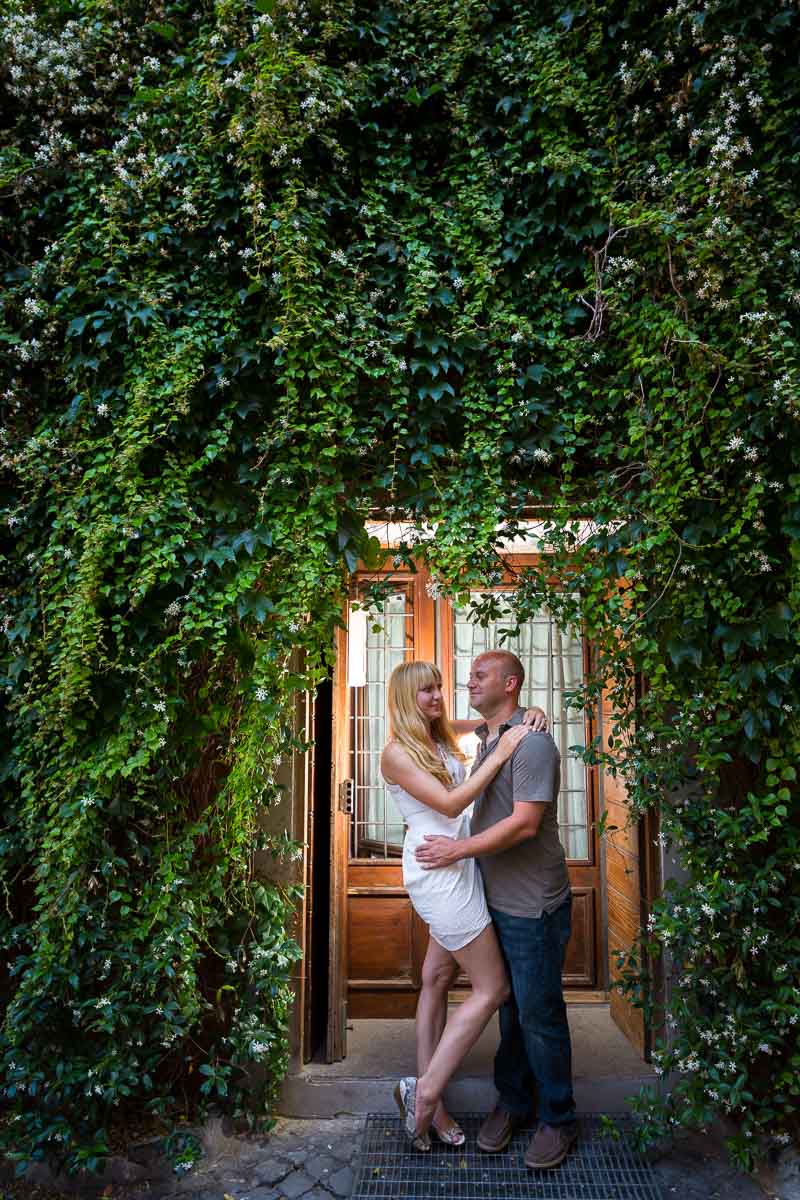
273 267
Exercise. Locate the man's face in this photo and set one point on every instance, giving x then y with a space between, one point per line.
487 685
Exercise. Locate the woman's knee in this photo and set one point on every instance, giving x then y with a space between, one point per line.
502 992
496 991
439 976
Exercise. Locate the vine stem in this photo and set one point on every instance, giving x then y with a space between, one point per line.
640 616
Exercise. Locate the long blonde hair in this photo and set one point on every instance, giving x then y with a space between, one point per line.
409 728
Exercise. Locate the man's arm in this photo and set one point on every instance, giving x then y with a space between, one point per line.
523 823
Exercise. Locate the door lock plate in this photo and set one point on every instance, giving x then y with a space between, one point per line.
347 796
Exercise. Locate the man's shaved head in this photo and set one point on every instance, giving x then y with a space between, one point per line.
507 663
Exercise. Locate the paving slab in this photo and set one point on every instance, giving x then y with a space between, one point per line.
269 1171
341 1184
296 1184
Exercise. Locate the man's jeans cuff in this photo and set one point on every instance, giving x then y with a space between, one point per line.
519 1114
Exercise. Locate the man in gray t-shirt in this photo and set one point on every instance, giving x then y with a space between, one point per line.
529 878
514 836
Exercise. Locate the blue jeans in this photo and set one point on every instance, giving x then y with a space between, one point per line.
535 1044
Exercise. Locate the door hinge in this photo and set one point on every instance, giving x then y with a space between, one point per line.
346 796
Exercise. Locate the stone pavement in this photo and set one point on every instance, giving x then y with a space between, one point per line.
315 1159
312 1159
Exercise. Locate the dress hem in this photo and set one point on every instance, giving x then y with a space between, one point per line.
467 940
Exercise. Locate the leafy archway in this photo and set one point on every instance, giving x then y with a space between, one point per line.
275 266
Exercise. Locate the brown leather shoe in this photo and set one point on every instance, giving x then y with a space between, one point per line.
550 1145
498 1129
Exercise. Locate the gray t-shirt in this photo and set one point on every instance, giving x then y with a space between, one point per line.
528 879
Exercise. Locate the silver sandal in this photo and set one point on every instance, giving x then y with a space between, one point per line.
451 1135
405 1096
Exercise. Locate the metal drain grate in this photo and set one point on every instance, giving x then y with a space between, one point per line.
598 1168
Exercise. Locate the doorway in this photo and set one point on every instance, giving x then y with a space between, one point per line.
377 942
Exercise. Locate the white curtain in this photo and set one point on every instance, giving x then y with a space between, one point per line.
553 662
377 821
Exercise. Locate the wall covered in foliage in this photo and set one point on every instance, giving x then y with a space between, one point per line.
270 266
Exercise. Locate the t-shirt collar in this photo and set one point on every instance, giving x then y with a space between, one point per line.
515 719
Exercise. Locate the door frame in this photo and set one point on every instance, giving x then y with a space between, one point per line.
336 1036
629 1020
341 811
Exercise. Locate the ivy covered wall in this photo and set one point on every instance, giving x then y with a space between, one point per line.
270 267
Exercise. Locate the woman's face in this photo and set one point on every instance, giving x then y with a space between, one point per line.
429 701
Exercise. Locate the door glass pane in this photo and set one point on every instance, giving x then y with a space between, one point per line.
377 828
553 662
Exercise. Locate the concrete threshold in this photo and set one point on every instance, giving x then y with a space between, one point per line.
607 1071
310 1095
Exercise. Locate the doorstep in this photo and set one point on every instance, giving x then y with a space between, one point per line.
307 1094
607 1071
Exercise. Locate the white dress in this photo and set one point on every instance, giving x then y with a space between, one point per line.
450 899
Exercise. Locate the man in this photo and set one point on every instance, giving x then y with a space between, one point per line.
514 836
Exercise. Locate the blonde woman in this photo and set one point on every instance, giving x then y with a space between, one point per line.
424 770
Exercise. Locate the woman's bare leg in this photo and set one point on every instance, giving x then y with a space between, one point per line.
439 971
483 962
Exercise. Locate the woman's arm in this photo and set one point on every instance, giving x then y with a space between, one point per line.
398 767
461 727
535 717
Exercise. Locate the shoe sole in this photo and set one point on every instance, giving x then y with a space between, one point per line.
398 1099
418 1142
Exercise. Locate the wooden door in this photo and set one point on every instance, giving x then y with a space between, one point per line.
340 812
386 941
632 881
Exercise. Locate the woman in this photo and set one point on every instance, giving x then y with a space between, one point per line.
423 767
